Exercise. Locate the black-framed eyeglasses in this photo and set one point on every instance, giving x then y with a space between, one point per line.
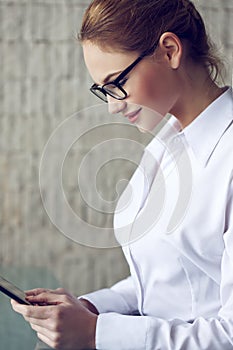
114 88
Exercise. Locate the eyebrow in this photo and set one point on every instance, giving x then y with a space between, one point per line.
110 76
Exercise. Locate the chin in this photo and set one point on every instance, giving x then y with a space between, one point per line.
149 121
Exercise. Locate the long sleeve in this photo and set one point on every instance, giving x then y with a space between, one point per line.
148 333
120 298
116 331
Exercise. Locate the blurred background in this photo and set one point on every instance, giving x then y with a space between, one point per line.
43 81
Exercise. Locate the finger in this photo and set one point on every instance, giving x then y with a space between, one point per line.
37 291
43 290
62 291
43 323
15 304
45 340
43 331
39 312
48 298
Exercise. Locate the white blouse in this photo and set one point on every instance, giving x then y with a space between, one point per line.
175 224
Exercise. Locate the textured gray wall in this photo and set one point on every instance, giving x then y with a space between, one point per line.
44 81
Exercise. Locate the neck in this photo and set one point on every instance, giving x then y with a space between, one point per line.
196 94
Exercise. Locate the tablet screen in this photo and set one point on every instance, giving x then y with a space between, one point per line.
12 291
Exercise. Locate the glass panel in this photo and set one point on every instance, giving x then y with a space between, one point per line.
99 93
114 91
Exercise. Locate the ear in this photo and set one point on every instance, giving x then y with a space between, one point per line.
171 49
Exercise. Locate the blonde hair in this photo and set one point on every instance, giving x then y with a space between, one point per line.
136 25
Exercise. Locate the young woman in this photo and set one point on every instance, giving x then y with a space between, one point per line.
150 58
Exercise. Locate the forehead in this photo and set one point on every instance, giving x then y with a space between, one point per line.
101 63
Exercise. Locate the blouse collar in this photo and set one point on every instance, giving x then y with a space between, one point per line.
205 132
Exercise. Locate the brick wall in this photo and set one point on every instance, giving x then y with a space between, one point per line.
218 16
43 82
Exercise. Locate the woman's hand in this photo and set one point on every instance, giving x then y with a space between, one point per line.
63 322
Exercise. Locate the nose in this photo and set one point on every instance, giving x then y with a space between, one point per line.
116 106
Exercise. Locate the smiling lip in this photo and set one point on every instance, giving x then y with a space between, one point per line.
133 116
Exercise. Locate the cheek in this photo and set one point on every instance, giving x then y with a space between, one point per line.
155 91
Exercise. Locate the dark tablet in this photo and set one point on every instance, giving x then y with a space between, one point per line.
12 291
